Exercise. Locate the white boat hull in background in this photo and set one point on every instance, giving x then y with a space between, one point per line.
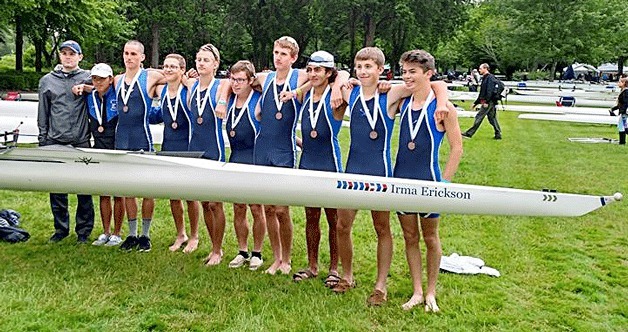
553 100
567 93
589 119
555 109
63 169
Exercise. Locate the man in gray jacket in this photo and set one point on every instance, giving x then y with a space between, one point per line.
62 119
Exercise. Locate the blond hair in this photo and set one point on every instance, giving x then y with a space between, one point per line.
177 57
211 49
371 53
289 43
137 43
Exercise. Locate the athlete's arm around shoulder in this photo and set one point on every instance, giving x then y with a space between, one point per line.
224 90
339 97
117 79
454 138
340 94
260 78
442 99
159 89
155 77
396 94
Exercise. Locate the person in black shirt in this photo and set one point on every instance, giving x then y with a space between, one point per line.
487 101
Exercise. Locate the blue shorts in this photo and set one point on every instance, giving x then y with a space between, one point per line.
421 214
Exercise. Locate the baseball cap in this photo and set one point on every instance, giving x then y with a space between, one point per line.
321 59
102 70
71 44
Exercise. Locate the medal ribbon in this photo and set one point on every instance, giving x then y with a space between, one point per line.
415 130
314 114
126 94
177 100
99 115
236 119
278 103
202 103
372 119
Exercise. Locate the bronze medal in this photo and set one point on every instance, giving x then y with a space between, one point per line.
199 120
411 146
313 134
278 115
232 133
101 129
174 125
125 108
373 134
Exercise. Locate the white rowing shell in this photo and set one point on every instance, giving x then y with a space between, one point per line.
590 119
555 109
63 169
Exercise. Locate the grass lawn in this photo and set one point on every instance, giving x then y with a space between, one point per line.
565 274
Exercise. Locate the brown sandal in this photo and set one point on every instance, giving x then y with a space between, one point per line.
332 280
303 275
377 298
343 286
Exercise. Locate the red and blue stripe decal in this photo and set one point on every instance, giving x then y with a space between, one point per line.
364 186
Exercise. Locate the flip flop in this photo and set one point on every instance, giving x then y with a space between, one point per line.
303 274
332 280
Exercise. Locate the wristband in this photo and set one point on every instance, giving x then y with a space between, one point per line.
444 181
222 102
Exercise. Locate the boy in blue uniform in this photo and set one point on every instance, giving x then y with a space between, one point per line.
420 137
275 144
320 125
242 128
103 119
176 116
372 120
135 90
207 136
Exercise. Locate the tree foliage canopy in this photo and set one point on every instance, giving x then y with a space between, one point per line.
509 34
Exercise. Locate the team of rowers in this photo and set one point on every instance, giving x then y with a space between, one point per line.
262 113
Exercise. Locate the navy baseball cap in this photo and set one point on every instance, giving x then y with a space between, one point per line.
72 45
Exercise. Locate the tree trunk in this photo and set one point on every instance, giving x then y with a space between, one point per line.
39 46
398 46
352 51
620 66
19 44
369 30
154 45
554 70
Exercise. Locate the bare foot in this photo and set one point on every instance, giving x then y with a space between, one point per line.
272 269
415 300
430 304
213 259
192 246
285 268
178 242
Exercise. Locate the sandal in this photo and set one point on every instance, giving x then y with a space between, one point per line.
303 274
377 298
332 280
343 286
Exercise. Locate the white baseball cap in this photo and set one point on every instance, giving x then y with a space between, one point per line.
321 59
102 70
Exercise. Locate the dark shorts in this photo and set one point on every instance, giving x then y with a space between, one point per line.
421 214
